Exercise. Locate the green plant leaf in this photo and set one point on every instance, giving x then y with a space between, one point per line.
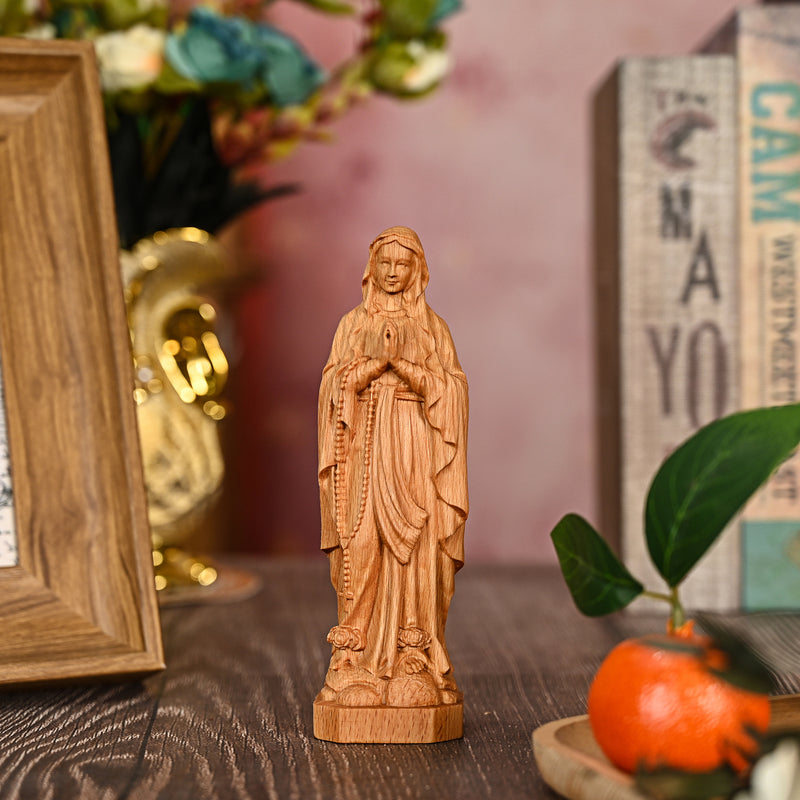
707 480
329 6
672 784
597 579
408 18
170 81
13 17
746 667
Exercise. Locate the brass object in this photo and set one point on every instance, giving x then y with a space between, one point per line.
175 567
180 373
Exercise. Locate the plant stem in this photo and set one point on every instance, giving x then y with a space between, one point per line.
677 615
657 596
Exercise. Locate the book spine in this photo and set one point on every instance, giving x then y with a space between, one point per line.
605 249
767 46
667 302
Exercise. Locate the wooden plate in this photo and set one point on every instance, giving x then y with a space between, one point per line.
572 764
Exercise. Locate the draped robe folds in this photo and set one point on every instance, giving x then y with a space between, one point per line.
402 493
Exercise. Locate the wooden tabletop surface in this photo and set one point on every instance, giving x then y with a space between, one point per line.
231 716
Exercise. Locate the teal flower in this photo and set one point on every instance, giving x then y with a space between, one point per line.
443 9
289 75
217 49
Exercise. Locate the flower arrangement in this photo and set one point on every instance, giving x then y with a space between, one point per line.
192 96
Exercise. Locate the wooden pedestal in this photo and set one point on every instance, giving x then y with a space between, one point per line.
388 725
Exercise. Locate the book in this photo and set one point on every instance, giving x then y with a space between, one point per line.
666 289
765 41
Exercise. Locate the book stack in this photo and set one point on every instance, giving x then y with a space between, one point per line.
697 230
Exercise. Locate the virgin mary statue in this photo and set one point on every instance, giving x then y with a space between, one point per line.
393 486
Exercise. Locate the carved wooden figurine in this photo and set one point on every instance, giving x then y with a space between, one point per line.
393 488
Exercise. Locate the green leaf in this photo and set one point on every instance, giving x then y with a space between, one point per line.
122 14
408 18
597 579
706 481
13 17
329 6
170 81
670 784
389 66
746 667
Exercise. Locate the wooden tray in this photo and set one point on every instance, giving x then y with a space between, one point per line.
572 764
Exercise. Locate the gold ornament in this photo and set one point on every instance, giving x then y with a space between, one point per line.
180 372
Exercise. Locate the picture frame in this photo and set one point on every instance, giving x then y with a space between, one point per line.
80 604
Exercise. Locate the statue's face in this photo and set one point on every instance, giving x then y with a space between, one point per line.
393 267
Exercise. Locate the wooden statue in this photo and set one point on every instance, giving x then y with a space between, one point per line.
393 488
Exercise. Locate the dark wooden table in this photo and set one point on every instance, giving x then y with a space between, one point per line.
231 715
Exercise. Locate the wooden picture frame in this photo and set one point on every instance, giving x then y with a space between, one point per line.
81 603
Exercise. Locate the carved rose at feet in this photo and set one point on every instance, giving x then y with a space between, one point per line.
413 637
344 637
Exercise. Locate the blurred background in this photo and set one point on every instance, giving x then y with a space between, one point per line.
492 170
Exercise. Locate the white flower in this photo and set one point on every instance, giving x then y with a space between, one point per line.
130 59
43 31
430 66
776 776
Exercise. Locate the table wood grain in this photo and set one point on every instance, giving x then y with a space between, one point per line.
231 717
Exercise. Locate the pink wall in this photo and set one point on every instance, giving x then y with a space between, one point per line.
493 172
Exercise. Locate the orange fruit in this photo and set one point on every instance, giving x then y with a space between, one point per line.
655 703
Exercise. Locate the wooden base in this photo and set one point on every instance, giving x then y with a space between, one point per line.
388 725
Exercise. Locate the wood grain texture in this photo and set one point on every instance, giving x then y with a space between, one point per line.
393 413
231 717
388 725
82 602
